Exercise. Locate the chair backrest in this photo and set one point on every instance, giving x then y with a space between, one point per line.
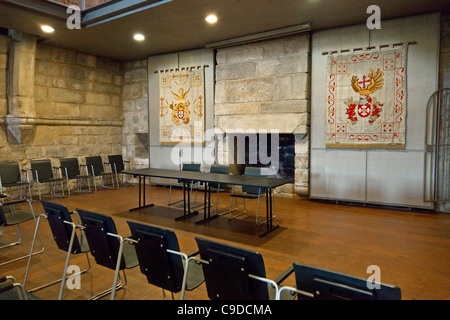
252 171
104 247
328 285
228 269
220 168
9 172
97 163
71 165
43 168
116 161
191 166
56 215
162 269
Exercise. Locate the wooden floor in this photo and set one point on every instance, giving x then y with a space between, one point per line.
411 249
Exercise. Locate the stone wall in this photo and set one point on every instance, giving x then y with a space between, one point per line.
135 113
444 82
4 49
77 107
265 86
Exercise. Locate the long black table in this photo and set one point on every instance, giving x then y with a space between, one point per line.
208 178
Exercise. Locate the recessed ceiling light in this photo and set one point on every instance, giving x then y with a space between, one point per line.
139 37
211 18
47 29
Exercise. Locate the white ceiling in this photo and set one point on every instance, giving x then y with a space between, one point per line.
179 25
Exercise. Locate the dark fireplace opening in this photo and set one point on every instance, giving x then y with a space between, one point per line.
275 151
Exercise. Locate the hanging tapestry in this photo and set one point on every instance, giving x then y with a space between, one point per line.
182 112
366 100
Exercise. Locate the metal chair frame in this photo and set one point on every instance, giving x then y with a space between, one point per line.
22 178
26 217
47 172
72 170
70 249
95 168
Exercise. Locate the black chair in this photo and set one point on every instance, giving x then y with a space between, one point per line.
249 192
11 215
64 232
186 167
233 273
11 289
162 262
72 170
44 172
12 176
217 187
109 249
96 168
117 165
319 284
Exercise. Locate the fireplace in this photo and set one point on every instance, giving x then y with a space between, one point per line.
276 152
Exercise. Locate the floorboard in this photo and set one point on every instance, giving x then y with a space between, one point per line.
411 249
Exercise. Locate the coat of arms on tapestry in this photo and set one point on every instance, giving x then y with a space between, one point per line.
182 112
366 100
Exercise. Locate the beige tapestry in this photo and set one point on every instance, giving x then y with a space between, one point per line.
182 112
366 100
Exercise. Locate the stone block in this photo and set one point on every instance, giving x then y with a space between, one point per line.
86 60
4 44
284 123
302 161
239 54
65 95
301 176
285 106
98 99
47 68
74 72
132 91
63 55
136 75
243 70
237 108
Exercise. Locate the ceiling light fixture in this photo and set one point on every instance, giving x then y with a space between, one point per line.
139 37
47 29
211 18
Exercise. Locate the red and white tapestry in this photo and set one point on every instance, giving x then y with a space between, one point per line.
182 112
366 100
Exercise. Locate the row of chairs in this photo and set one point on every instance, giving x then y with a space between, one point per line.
229 272
247 192
42 171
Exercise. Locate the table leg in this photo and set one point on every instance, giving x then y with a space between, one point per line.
269 214
187 213
142 190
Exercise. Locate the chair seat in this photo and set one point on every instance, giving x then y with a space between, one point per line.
195 276
17 217
82 240
12 294
245 195
130 256
16 184
50 180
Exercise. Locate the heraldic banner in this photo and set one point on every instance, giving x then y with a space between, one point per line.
182 112
366 100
